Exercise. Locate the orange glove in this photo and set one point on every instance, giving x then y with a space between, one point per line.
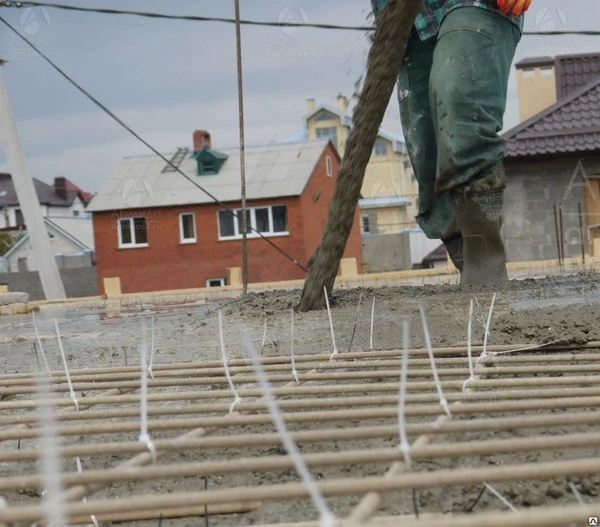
515 7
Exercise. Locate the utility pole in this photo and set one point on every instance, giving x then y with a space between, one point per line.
28 200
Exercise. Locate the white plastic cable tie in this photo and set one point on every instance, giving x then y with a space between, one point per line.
236 398
335 350
576 492
372 323
49 461
264 338
327 519
152 348
64 360
501 498
294 372
469 348
40 346
438 384
144 436
404 443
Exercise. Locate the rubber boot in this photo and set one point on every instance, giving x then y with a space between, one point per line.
479 217
454 248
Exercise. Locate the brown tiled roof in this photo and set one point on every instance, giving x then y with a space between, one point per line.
575 71
46 193
439 254
571 125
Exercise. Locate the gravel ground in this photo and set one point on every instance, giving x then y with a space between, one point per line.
525 312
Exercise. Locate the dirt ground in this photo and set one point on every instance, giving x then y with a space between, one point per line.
525 312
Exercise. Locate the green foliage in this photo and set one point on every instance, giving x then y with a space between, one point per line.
6 242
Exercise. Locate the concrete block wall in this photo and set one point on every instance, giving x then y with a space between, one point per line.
533 188
386 252
79 282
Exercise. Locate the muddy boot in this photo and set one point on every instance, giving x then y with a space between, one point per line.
480 219
454 248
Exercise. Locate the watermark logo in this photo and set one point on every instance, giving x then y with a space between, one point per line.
291 15
580 179
35 22
548 20
33 19
593 521
291 43
135 192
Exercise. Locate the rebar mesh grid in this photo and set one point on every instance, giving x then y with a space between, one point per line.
528 416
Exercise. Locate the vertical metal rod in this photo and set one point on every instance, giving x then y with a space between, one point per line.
238 38
581 233
557 236
562 233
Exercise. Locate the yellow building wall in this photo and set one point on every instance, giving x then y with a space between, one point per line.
388 175
536 89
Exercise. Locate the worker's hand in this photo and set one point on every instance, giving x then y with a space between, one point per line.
514 7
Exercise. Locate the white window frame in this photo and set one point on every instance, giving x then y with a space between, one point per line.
221 280
252 233
183 240
329 166
133 244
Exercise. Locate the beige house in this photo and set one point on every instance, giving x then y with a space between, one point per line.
389 189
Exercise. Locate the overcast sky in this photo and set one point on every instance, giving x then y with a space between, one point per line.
166 78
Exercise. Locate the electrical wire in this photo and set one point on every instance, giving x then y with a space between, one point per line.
197 18
144 142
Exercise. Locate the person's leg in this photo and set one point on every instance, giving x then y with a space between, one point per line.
468 90
435 212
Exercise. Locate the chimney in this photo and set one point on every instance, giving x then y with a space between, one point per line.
201 140
310 104
342 102
60 187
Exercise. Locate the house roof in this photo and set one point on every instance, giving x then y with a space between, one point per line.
570 126
381 202
575 71
78 230
46 193
439 254
273 171
398 142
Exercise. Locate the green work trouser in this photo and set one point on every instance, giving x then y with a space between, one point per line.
452 92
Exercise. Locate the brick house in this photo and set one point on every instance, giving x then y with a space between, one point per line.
156 230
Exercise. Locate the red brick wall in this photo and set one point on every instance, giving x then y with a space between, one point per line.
167 264
315 206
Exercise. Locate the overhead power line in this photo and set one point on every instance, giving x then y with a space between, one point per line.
264 23
145 143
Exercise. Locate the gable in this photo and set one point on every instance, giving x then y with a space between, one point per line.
571 125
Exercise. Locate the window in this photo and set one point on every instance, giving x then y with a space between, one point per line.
528 73
547 72
133 232
19 218
366 227
268 221
215 282
328 133
187 227
380 148
329 166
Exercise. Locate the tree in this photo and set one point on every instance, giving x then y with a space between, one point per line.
6 242
394 24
